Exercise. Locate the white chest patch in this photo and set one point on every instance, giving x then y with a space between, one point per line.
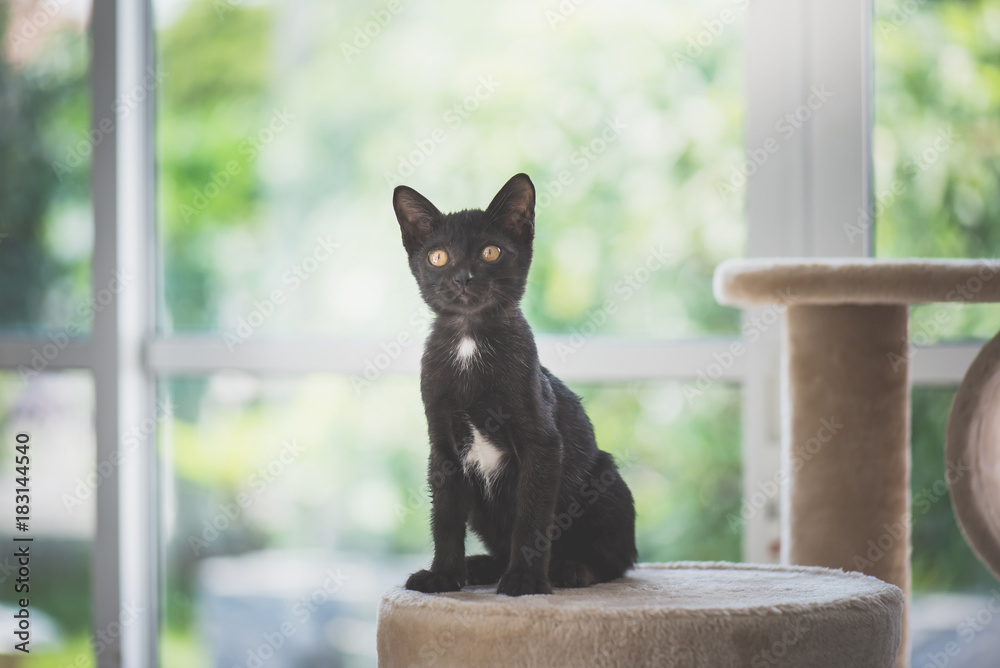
483 457
466 351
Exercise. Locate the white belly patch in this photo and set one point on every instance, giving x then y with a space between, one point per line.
482 457
465 351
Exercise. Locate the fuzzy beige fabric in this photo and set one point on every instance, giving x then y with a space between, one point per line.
679 615
752 282
848 459
972 455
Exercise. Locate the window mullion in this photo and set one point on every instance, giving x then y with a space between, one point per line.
809 123
125 553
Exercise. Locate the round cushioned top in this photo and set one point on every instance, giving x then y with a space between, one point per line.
972 455
752 282
680 614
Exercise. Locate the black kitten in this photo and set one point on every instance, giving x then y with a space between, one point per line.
512 451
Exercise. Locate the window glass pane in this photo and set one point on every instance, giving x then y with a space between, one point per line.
300 501
46 231
937 143
950 584
283 128
270 485
55 410
681 459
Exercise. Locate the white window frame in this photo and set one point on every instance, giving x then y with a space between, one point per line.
798 202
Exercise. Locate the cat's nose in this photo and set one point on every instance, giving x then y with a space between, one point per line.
463 278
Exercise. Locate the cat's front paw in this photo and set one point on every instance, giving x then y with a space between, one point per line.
430 582
521 582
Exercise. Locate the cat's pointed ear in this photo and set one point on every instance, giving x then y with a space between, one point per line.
513 208
416 216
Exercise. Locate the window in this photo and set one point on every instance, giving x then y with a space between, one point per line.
196 224
272 235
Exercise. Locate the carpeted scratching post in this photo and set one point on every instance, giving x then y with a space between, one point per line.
849 415
846 364
680 615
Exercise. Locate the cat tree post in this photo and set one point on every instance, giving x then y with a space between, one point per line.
847 451
846 370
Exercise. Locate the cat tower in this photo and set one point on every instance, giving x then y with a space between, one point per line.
846 357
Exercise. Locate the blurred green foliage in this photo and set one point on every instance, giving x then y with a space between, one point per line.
217 73
942 560
937 143
624 165
44 104
938 77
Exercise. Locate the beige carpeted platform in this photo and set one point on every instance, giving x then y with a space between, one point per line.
752 282
684 615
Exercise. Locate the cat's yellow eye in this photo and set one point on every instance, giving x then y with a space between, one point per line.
490 254
438 257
